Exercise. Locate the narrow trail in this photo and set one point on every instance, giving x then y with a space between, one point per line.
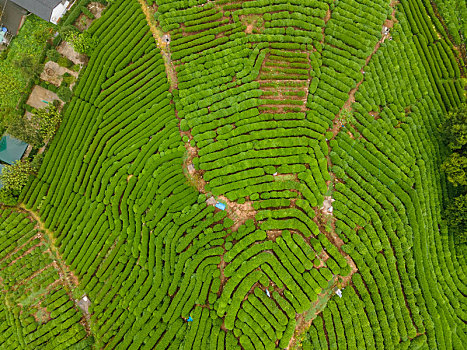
237 212
348 104
66 275
305 320
161 44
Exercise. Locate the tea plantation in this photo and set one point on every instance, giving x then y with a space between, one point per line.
226 168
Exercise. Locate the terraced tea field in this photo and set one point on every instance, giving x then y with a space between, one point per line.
220 174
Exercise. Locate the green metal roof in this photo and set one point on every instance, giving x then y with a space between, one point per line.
11 149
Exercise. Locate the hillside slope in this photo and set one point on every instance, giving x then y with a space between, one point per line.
316 127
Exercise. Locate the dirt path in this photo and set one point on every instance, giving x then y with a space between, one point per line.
304 320
348 104
161 44
66 275
237 212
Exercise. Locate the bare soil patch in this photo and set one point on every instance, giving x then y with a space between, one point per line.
239 213
273 234
53 72
374 114
66 50
42 315
253 23
327 204
96 9
83 22
41 97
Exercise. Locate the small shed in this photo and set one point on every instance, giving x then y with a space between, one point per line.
11 149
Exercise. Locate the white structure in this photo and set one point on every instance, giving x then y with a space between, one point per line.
339 293
49 10
59 11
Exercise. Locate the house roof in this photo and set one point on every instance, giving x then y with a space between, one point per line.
12 16
11 149
41 8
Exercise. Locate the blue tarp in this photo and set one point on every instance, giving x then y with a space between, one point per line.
11 149
220 206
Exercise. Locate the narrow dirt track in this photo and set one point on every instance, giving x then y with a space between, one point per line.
66 275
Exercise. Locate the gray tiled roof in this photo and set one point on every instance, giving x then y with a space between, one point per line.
12 16
41 8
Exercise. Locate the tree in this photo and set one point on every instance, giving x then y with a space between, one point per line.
7 198
42 34
48 119
14 177
456 215
454 132
64 93
454 129
24 128
455 168
8 85
36 129
28 66
81 42
53 55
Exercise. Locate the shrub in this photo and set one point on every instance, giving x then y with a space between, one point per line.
64 93
64 62
81 42
14 177
53 55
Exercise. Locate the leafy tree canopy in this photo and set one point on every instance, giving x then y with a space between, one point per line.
81 42
14 177
455 168
455 129
36 129
48 119
456 214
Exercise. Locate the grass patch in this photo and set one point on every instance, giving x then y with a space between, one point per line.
22 63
